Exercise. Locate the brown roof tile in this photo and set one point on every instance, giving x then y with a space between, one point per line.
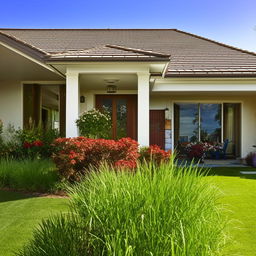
191 55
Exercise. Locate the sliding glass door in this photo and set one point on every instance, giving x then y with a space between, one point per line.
203 122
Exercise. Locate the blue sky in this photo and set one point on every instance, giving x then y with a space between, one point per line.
229 21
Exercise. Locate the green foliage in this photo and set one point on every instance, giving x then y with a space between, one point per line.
94 124
158 210
32 142
57 236
29 175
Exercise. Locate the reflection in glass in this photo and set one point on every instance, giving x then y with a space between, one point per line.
121 124
210 122
188 122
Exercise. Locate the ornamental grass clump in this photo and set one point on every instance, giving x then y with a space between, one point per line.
28 175
157 210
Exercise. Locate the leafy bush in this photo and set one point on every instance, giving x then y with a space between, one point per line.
158 210
249 158
36 142
32 142
94 124
75 156
154 153
29 175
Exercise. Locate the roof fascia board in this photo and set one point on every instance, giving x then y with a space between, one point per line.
203 80
110 68
210 87
34 59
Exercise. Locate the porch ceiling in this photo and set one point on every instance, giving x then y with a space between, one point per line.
100 81
16 67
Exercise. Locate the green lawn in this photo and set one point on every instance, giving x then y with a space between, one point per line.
19 215
239 196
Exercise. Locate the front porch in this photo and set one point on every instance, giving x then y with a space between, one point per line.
142 110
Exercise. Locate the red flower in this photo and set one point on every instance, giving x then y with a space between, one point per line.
38 143
27 144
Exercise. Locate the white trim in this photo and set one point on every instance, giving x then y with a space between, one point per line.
22 105
30 58
222 121
44 82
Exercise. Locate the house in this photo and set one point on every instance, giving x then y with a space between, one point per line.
161 86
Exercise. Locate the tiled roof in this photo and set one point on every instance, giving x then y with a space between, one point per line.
190 55
108 52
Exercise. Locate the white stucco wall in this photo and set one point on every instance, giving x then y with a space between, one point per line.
11 105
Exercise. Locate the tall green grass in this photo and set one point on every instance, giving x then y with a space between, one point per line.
158 210
30 175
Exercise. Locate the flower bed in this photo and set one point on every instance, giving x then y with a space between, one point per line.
75 156
199 150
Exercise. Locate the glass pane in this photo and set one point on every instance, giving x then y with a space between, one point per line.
107 107
210 128
121 122
231 126
188 122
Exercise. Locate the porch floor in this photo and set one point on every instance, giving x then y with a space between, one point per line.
209 163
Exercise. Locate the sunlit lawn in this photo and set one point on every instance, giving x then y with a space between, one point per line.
20 214
239 195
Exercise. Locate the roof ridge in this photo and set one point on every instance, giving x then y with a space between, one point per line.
215 42
24 43
145 52
78 50
88 29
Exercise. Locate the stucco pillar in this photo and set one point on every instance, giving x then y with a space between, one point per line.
143 109
72 103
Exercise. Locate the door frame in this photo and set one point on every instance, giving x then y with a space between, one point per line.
131 112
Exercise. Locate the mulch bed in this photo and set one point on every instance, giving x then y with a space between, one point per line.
58 194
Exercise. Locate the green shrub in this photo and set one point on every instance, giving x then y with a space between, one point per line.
163 210
94 124
29 175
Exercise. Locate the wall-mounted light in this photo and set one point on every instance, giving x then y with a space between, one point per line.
82 99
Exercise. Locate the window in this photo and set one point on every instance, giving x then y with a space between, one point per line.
197 122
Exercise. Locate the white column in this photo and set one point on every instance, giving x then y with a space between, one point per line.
72 104
143 109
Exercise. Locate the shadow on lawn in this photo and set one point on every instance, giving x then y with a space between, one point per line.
6 196
230 172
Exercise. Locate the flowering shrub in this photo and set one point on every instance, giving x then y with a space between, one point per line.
75 156
34 142
198 150
94 124
251 159
154 153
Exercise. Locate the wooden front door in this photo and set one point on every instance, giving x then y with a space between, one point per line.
123 111
157 128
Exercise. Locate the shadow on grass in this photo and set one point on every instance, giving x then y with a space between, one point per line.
6 196
230 172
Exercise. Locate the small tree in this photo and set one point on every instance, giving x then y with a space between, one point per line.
94 124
